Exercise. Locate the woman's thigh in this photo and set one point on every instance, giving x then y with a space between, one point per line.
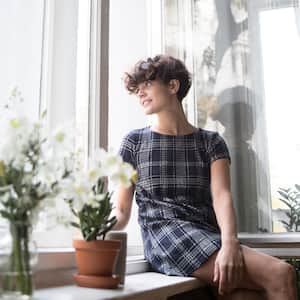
258 267
241 294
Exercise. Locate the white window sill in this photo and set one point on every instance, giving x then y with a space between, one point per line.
282 245
144 286
56 266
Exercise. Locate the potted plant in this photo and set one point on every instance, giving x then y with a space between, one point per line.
32 166
291 198
89 200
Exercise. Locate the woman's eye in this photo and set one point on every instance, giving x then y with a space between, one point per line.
148 83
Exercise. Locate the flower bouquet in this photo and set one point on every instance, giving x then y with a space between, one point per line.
33 164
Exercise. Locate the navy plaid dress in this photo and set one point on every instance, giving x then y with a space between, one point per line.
178 224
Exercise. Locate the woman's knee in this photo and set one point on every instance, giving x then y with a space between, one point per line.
283 275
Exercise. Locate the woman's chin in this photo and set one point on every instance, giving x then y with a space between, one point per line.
148 111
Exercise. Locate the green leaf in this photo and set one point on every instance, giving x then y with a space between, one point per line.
74 225
283 193
286 203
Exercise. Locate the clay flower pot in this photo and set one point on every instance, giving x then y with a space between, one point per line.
96 261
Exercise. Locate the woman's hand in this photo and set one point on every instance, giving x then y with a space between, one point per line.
229 266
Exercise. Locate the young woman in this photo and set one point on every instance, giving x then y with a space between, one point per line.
186 212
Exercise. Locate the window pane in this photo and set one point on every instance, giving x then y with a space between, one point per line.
128 42
68 104
21 32
244 57
281 65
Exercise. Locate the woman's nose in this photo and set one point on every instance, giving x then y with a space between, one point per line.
141 92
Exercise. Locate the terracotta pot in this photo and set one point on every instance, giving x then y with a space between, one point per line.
96 258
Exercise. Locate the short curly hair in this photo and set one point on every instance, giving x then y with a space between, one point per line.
161 67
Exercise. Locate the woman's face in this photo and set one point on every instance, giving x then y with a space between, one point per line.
154 96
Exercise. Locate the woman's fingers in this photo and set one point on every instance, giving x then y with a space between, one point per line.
216 273
230 277
239 270
228 273
242 268
223 280
235 275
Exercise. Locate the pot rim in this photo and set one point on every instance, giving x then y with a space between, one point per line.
97 244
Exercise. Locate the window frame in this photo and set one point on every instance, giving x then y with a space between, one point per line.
255 7
63 259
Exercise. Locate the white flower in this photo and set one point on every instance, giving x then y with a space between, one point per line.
94 173
78 190
40 158
63 139
124 175
94 200
108 162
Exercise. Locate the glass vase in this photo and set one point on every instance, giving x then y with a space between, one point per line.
18 254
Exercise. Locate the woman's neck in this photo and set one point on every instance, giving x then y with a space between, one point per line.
174 124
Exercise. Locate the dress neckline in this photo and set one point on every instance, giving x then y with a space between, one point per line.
174 135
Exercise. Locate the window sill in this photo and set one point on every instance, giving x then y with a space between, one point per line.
63 258
56 266
282 245
144 286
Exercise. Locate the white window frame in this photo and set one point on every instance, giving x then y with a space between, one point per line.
255 7
62 260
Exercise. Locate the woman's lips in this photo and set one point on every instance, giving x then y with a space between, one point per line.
146 102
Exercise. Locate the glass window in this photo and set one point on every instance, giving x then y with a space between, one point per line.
66 89
280 46
128 42
21 34
45 52
244 56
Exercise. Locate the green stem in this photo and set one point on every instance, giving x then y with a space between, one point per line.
19 276
27 269
16 261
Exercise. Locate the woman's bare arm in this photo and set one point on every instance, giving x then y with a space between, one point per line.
222 202
123 204
229 264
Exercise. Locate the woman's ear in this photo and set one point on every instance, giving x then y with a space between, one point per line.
174 85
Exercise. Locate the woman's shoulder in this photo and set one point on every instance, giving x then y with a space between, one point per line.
135 134
208 134
209 138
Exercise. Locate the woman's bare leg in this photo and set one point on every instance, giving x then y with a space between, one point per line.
241 294
263 273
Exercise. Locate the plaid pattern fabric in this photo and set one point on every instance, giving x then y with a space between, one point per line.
176 216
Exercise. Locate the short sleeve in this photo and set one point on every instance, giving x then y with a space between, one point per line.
127 150
218 148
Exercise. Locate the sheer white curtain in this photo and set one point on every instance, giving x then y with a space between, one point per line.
222 43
